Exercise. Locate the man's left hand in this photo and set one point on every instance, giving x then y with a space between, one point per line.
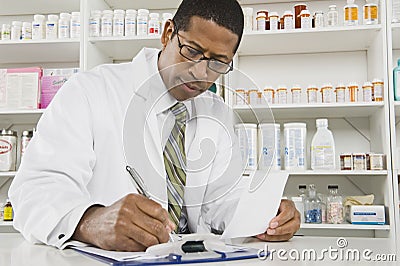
283 226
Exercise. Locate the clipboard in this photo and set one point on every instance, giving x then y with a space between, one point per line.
201 257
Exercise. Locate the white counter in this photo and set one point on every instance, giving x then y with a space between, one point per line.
15 251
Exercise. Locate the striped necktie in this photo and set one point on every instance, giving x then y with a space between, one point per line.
175 166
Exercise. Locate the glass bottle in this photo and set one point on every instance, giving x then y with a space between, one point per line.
302 191
8 211
333 16
322 198
312 206
334 206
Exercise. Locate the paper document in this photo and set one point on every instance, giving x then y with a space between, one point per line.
258 204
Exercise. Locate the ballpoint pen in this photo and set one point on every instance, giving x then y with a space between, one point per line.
141 187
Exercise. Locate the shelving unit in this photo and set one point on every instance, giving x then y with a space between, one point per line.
345 226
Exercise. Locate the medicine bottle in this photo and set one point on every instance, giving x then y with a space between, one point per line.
323 147
333 16
318 19
328 94
8 211
350 13
353 92
64 26
367 90
119 22
288 20
142 22
312 94
154 24
269 95
5 32
75 25
334 206
281 94
26 33
261 21
248 19
16 28
378 90
165 18
106 23
273 21
38 27
130 22
312 206
370 13
52 27
297 10
340 93
95 23
305 19
296 94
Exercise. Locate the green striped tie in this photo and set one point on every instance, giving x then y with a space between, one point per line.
175 166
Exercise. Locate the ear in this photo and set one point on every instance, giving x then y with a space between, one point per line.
167 32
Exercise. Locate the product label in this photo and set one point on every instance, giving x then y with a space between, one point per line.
5 146
322 156
370 12
351 14
8 214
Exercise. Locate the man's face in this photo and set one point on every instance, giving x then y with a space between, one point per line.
187 79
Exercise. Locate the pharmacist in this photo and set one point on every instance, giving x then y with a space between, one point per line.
72 183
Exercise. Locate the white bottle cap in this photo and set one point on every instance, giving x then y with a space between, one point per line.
248 11
119 12
273 14
16 23
38 17
288 12
350 2
108 12
131 12
95 13
26 24
52 18
332 7
143 11
367 84
305 12
154 15
322 122
75 14
65 15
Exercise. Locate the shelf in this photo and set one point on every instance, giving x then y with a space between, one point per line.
29 7
38 51
307 111
10 117
337 173
125 48
264 2
128 4
344 226
8 174
22 112
396 35
296 41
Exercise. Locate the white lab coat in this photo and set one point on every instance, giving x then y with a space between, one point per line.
76 158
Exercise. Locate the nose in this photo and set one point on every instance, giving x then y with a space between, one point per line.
199 70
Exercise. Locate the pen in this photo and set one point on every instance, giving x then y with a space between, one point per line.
141 187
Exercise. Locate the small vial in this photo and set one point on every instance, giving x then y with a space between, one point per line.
312 94
273 21
95 23
296 94
106 23
312 206
334 206
261 20
333 16
142 22
240 97
64 26
288 20
328 95
281 95
38 27
269 95
16 28
154 24
118 23
340 93
350 13
359 161
346 161
305 18
75 25
367 91
130 22
26 33
6 32
165 17
370 13
378 90
319 19
52 27
353 92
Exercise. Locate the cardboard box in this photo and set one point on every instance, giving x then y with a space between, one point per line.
365 214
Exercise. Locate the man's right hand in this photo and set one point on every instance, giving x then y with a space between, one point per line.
133 223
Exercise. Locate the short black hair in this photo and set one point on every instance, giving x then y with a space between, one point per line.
225 13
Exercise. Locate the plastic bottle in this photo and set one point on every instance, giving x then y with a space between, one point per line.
154 24
395 11
94 23
248 19
322 147
64 26
370 10
130 22
273 21
119 22
106 23
75 25
16 28
5 32
295 146
333 16
350 13
26 33
38 27
396 81
142 22
52 27
306 20
8 211
334 206
312 207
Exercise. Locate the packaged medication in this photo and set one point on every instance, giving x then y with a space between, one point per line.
359 161
319 19
75 25
296 94
154 24
119 22
323 147
261 20
295 146
8 213
142 22
240 97
370 13
376 161
297 10
248 19
26 33
288 20
365 214
340 93
333 16
378 90
8 150
130 22
306 20
64 26
269 95
353 92
350 13
269 146
312 206
16 28
346 161
106 23
6 32
335 212
281 95
95 23
273 21
38 27
367 89
247 137
328 94
312 94
52 27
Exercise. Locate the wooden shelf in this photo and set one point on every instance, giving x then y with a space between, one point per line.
28 7
263 113
340 39
124 48
39 51
345 226
396 35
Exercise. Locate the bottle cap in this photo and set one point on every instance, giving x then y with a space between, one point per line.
75 14
65 15
107 12
38 17
322 122
131 12
143 11
302 186
52 18
16 23
273 14
332 7
119 12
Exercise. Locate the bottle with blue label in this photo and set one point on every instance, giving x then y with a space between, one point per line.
312 207
396 81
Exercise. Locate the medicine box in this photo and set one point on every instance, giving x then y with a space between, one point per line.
365 214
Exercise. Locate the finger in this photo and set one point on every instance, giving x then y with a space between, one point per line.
128 244
139 235
290 227
155 210
152 226
286 213
265 237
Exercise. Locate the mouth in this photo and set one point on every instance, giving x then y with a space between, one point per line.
191 87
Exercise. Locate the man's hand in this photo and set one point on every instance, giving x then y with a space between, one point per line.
284 225
131 224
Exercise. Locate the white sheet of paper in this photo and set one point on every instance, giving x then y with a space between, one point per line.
258 204
116 255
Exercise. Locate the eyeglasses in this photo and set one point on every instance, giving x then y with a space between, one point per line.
197 56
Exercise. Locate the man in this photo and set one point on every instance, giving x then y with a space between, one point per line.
72 183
